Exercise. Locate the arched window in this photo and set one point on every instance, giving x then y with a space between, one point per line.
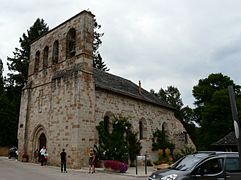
45 57
106 123
185 137
55 52
164 127
70 43
140 130
36 63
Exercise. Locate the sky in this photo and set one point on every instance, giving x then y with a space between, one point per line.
159 42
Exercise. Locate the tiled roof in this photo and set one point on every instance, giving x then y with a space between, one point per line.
228 140
125 87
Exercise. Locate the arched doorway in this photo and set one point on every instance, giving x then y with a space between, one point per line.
39 140
42 140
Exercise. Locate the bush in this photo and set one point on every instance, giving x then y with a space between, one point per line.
119 144
116 165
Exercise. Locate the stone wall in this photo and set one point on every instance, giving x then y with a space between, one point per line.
152 116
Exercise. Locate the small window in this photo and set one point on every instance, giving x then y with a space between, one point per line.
71 43
140 130
45 57
106 123
232 165
36 64
55 52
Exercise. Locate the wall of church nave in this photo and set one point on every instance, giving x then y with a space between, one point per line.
151 117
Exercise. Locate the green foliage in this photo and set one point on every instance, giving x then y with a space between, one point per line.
213 108
134 145
118 144
160 141
172 96
8 120
98 62
188 115
1 78
203 92
8 117
18 65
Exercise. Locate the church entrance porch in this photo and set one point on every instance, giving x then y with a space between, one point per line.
39 140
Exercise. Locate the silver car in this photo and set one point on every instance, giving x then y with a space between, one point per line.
203 166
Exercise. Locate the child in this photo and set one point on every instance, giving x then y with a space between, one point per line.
91 161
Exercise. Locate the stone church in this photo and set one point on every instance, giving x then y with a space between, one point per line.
66 98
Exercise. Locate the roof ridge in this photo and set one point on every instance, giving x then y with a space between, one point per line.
117 84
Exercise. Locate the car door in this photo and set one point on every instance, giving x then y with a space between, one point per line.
233 170
211 169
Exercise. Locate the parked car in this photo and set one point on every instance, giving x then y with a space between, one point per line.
202 166
13 152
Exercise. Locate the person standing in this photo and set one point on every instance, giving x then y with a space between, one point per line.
91 161
46 157
63 161
42 153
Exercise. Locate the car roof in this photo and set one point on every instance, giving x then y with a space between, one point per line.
216 153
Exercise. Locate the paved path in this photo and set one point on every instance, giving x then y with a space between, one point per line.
11 169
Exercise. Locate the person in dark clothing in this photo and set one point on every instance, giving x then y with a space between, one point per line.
92 161
63 161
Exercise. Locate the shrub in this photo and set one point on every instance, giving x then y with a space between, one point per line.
116 165
118 144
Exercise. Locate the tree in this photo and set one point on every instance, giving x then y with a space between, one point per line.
18 65
188 114
8 132
1 77
213 108
172 96
98 63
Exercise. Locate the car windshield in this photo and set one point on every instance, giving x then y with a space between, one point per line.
187 162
